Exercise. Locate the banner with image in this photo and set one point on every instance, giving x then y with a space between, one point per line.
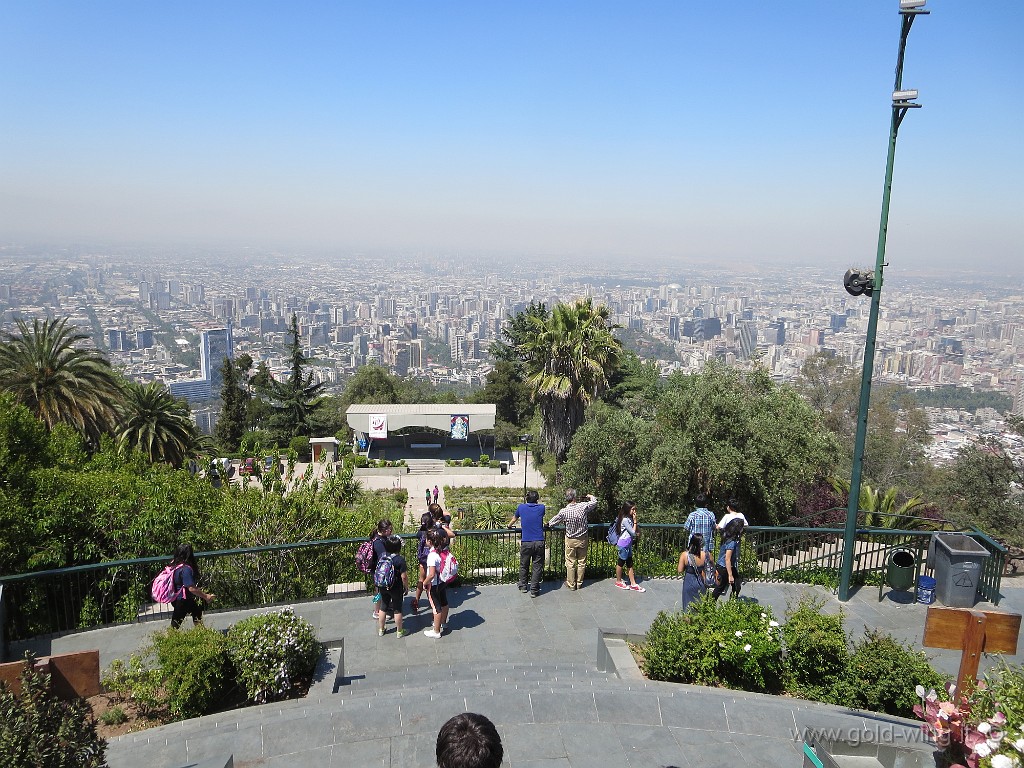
460 427
378 425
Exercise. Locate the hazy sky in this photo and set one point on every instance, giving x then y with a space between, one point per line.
742 131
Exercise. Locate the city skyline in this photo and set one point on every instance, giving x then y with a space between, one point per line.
670 133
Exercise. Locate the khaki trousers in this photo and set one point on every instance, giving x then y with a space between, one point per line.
575 561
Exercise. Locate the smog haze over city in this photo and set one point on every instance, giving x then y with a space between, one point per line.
663 133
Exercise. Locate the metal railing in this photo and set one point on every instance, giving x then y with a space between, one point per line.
101 594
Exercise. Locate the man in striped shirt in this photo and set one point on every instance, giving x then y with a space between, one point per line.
574 515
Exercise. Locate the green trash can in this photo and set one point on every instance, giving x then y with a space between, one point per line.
900 571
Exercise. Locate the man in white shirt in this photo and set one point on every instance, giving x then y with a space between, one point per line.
732 511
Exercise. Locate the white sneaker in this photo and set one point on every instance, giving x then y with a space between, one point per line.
431 633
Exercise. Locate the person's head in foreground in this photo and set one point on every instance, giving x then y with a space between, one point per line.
469 740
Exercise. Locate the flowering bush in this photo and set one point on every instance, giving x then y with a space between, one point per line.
973 727
272 653
735 643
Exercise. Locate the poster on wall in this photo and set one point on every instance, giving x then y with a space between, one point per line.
378 425
460 427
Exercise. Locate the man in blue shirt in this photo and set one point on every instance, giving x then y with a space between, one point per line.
531 551
702 520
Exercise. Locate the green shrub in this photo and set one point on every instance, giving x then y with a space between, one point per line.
1003 692
38 730
734 643
114 716
272 652
139 683
401 496
194 669
494 464
484 459
817 654
883 674
301 447
467 462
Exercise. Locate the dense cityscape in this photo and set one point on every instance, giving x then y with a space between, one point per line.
173 320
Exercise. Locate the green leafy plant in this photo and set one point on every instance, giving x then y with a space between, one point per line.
139 683
467 462
485 459
272 653
114 716
734 643
38 730
883 674
816 655
194 669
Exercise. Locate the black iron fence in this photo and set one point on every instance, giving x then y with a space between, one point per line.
96 595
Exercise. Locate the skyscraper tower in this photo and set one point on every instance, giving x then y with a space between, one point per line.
214 346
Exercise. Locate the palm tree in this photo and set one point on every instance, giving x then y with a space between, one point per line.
569 356
46 369
157 424
880 508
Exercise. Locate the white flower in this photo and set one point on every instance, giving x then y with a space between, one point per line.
932 696
1002 761
982 749
747 647
721 645
984 727
1019 744
764 615
773 623
919 690
738 633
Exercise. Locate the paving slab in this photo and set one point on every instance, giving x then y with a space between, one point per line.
529 664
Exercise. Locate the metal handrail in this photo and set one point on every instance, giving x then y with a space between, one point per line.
100 594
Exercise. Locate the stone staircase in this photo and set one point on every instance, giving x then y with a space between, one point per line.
828 554
425 466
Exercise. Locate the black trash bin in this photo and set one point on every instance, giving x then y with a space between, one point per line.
959 560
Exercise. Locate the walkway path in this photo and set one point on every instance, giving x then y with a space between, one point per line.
530 665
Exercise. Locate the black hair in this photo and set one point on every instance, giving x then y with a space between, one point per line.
532 497
701 500
183 554
734 530
436 511
696 544
469 740
426 521
624 510
437 538
734 505
383 526
392 545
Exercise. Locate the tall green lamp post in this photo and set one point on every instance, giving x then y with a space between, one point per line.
859 283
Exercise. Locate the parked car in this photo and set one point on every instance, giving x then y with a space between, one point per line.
248 467
269 463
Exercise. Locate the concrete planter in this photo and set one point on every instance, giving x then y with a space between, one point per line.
471 471
381 472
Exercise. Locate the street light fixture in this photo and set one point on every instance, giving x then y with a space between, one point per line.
525 440
870 283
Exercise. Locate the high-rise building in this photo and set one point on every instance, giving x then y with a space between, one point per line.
673 328
144 339
117 339
214 346
747 337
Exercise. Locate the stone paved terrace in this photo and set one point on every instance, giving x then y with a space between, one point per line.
529 665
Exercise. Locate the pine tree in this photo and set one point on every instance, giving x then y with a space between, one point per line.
231 424
295 400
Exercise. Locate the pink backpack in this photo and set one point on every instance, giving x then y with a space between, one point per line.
364 556
449 567
163 590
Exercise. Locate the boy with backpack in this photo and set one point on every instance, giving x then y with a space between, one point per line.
391 578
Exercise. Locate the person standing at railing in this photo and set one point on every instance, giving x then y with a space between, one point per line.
383 530
189 598
691 564
728 566
733 511
702 522
531 547
575 516
626 527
